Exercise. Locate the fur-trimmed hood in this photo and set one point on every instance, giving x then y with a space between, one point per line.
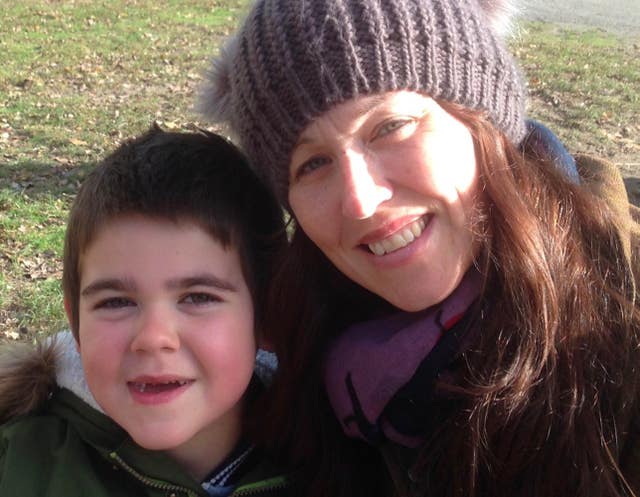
29 373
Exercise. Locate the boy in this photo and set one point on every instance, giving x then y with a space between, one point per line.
167 254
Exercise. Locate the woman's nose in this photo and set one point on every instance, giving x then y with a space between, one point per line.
155 330
365 185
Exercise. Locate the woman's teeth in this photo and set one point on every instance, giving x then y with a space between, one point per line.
399 239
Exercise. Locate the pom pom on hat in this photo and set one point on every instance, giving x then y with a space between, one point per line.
500 14
215 100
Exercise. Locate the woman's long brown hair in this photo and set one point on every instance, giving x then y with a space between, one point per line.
544 400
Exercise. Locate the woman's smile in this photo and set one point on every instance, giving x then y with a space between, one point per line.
400 239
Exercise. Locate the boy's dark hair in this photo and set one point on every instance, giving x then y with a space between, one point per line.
198 177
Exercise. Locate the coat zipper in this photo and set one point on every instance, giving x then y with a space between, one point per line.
161 485
277 483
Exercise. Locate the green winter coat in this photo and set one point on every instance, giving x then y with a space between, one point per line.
66 448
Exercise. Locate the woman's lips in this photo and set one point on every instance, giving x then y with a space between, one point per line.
400 239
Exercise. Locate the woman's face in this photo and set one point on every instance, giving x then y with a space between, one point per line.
385 185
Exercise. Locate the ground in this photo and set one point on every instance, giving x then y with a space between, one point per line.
619 17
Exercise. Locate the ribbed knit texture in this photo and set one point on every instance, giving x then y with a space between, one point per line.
294 59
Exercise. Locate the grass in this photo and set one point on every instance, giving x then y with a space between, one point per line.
586 85
78 77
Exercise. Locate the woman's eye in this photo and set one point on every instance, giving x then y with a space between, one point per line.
391 126
115 303
311 165
200 298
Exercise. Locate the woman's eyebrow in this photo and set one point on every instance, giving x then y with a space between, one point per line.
366 105
363 107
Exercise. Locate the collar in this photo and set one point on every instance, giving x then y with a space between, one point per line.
222 480
69 371
541 142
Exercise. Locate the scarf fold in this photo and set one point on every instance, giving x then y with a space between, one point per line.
371 362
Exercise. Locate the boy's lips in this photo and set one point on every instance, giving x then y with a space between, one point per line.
157 390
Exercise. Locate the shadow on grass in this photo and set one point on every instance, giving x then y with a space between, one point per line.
39 179
633 190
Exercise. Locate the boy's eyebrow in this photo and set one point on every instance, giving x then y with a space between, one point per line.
201 280
108 284
127 285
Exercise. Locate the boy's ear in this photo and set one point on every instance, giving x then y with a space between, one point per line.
67 310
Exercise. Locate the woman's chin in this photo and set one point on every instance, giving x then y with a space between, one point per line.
415 294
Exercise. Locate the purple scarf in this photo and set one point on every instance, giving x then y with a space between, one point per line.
370 362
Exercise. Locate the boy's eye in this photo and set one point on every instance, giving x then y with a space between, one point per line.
311 165
115 303
200 298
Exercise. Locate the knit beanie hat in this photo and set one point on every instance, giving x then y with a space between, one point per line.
292 60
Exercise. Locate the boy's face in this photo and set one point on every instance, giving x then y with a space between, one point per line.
166 335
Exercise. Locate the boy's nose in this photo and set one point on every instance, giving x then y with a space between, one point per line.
364 185
155 330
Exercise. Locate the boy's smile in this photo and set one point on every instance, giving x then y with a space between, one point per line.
166 335
156 390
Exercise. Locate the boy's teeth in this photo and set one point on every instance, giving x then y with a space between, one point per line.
398 240
142 387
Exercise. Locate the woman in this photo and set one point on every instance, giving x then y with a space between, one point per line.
453 298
